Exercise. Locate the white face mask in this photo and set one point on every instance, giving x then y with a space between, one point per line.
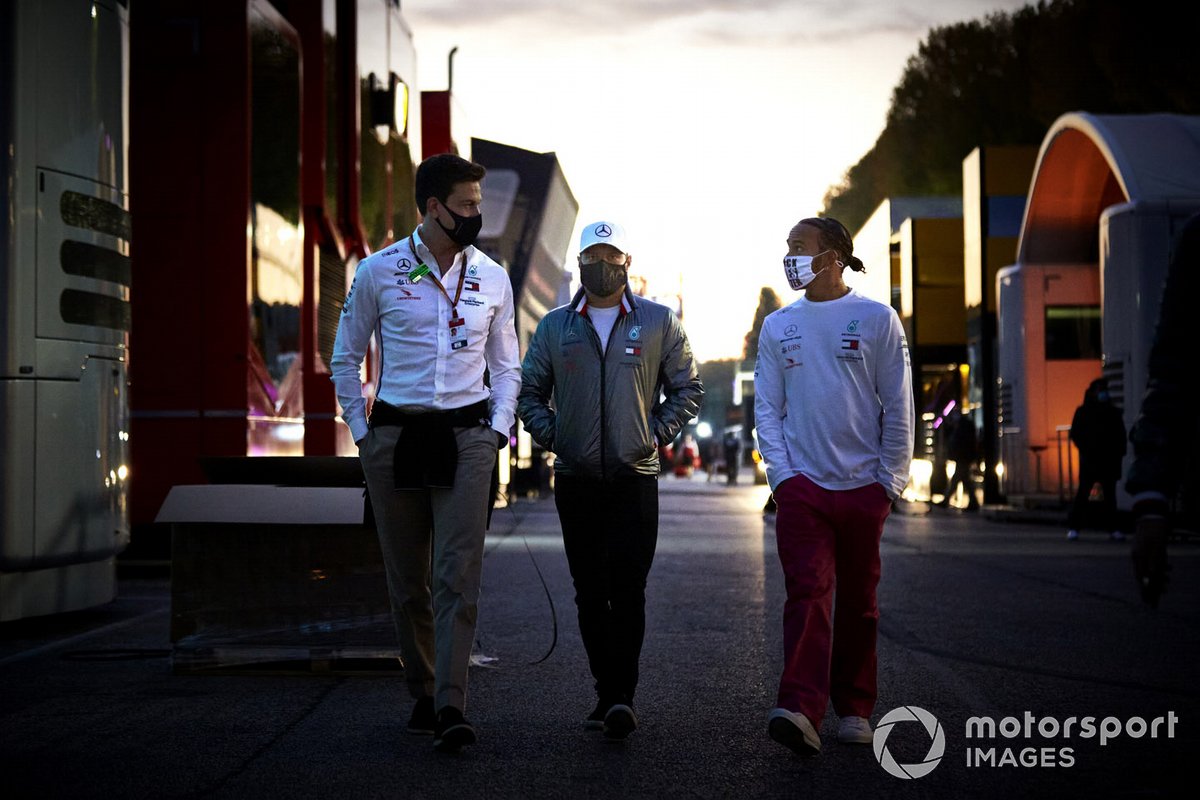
799 270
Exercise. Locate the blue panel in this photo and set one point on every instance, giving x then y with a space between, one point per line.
1004 215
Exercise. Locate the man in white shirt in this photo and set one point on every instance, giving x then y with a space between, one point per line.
442 315
833 408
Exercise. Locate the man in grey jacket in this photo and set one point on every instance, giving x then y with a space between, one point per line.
590 393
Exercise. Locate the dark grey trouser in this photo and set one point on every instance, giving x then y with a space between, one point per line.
610 532
432 543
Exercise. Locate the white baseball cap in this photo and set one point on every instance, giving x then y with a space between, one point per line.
603 233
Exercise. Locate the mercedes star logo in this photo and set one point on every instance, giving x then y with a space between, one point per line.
603 230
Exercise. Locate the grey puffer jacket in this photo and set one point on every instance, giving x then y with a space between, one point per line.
600 413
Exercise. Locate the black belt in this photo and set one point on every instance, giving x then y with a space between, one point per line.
426 454
383 413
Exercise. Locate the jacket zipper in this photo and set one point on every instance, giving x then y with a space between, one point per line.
603 357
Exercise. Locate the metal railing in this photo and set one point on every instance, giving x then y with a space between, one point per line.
1062 436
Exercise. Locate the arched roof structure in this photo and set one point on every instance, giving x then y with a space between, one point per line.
1089 162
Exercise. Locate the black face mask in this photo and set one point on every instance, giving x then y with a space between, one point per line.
465 228
602 279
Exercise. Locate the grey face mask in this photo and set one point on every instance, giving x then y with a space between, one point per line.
602 279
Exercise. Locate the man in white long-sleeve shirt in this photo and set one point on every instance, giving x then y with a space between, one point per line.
442 314
833 409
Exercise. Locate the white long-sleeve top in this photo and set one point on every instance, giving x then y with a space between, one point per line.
420 370
833 394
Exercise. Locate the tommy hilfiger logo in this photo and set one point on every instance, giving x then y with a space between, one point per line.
471 286
849 344
633 351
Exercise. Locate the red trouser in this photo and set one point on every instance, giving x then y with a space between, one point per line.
826 538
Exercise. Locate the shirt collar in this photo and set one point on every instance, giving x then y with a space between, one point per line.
579 303
429 260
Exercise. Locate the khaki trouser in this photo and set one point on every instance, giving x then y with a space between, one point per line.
432 544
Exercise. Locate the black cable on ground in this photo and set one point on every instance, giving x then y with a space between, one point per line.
545 587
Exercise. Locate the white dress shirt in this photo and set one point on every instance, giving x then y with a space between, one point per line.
424 365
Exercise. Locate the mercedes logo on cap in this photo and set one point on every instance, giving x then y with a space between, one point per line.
603 230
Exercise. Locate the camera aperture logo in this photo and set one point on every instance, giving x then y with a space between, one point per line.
937 742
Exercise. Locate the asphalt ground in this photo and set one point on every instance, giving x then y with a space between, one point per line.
980 618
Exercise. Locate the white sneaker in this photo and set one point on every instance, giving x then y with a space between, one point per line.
1072 535
793 731
855 730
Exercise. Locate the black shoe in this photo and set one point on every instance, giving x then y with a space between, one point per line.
619 722
423 720
452 731
595 720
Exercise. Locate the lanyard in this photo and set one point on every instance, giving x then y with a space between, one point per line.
424 272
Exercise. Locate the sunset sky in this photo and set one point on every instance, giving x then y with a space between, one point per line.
706 127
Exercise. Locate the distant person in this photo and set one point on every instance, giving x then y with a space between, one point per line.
1166 433
429 447
962 449
686 458
591 386
833 404
713 457
1098 431
770 509
732 445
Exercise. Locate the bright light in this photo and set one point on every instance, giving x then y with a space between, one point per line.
288 432
920 471
703 430
122 472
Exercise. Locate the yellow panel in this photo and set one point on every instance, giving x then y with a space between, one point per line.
1009 170
938 246
940 316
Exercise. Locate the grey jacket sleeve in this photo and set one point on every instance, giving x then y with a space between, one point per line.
537 386
680 381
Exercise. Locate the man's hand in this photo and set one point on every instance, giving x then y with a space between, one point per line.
1150 557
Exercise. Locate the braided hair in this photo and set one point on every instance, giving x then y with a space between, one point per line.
835 237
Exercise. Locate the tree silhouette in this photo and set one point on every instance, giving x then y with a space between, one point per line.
1006 78
768 301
